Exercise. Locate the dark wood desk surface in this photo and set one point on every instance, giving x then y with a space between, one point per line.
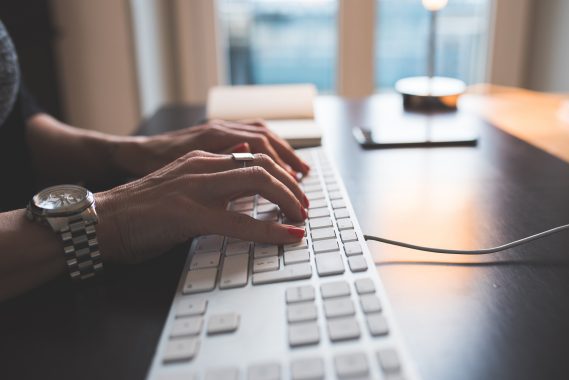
501 316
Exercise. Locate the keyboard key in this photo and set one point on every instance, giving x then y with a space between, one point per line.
341 213
323 233
265 250
348 235
345 224
319 203
325 246
209 243
328 264
339 307
353 248
314 195
335 194
234 272
205 260
270 207
388 360
189 306
314 186
244 199
377 324
266 264
243 206
365 286
294 246
222 323
335 289
333 187
370 304
272 216
201 280
186 327
265 371
300 294
301 312
184 349
357 263
287 273
343 329
307 369
318 212
320 222
293 257
338 203
263 201
222 374
351 365
238 248
303 334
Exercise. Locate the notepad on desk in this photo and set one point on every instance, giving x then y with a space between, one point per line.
288 110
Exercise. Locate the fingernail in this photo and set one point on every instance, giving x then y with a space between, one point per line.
306 202
305 168
241 148
303 212
296 232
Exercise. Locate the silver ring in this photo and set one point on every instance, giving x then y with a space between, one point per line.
243 157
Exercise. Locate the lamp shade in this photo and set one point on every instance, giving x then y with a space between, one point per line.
434 5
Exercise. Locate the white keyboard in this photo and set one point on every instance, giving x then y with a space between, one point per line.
312 310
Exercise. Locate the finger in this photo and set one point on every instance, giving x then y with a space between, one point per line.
283 148
253 180
258 143
239 148
223 163
244 227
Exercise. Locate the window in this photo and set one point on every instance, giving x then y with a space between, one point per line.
292 41
280 41
401 40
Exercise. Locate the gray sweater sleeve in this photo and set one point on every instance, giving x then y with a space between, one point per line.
9 74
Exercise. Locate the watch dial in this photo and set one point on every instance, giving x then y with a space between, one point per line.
60 197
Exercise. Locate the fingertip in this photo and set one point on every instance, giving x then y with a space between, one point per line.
241 148
298 233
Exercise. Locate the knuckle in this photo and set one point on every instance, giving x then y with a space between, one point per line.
195 153
260 174
263 159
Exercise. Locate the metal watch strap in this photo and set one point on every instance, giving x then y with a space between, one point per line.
81 249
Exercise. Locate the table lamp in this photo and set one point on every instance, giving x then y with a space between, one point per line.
431 92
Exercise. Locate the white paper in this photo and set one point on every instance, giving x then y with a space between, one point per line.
267 102
287 109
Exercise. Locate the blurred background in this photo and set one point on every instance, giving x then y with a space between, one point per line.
107 64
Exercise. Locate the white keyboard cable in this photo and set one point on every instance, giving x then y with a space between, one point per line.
474 251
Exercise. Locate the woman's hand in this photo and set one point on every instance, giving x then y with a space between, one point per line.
189 197
142 155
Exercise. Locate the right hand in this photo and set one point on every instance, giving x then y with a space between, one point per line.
188 198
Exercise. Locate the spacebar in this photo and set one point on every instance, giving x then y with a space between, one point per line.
288 273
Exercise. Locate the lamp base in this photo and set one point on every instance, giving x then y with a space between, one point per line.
430 93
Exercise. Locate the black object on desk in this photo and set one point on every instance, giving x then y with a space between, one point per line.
502 316
395 126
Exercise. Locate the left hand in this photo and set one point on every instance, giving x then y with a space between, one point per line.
139 156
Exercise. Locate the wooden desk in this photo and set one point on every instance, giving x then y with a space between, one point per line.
503 316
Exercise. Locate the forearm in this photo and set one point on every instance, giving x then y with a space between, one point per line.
61 153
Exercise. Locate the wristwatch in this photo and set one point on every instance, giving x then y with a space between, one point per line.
70 211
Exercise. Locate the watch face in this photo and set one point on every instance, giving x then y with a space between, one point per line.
64 198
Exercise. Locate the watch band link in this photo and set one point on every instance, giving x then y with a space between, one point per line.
81 249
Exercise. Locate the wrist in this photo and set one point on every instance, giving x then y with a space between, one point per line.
110 242
128 156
